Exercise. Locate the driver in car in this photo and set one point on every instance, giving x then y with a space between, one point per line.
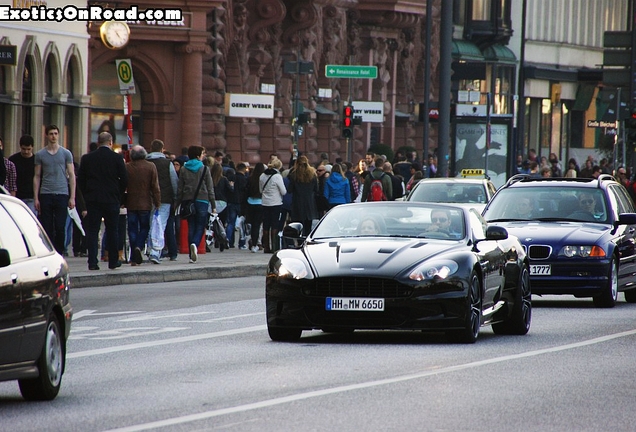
440 222
587 206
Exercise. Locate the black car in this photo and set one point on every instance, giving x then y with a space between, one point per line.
399 266
35 312
579 234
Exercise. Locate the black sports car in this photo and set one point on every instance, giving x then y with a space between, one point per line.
399 266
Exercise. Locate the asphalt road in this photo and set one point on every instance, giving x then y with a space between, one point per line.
196 356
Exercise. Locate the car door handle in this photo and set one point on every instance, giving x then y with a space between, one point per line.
45 270
14 278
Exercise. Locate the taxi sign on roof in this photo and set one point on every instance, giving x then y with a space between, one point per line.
473 172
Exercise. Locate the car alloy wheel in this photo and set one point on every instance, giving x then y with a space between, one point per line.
518 323
473 315
50 366
609 294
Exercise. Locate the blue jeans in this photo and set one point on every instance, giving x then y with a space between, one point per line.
170 236
197 223
138 228
53 215
164 212
232 210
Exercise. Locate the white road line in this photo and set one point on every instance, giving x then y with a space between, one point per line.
221 319
154 317
88 312
363 385
150 344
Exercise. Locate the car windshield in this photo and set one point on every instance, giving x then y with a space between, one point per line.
391 220
448 192
548 203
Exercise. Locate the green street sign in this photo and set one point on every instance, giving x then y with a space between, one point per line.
346 71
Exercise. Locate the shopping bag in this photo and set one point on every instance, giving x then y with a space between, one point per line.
156 233
219 233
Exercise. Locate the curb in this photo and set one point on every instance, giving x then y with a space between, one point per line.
173 275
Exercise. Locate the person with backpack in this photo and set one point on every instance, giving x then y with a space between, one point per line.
377 185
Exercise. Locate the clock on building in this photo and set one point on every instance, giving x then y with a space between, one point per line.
114 34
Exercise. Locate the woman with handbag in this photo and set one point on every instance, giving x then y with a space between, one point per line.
195 197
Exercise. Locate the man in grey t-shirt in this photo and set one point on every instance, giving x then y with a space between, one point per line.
54 187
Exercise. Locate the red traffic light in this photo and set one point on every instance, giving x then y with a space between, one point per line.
347 121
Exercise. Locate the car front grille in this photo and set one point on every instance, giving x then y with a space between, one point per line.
359 287
539 252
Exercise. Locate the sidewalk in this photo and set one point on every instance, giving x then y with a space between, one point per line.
211 265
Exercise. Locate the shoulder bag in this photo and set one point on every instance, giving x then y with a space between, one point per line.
187 207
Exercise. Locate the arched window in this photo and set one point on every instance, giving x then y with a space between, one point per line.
107 111
27 96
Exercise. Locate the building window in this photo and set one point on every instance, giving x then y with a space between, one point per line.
27 96
488 21
107 111
504 85
481 10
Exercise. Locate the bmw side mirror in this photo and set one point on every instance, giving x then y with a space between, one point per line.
5 258
626 219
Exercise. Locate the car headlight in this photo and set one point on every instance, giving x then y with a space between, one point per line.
434 270
291 268
582 251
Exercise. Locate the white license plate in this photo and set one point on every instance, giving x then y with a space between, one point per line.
354 304
540 270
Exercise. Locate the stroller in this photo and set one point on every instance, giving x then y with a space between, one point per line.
215 232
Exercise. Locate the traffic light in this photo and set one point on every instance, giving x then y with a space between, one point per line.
347 121
630 125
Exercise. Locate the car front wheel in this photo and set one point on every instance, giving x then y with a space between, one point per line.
50 366
518 323
469 334
609 295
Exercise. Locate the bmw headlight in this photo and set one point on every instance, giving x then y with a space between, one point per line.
577 251
434 270
291 268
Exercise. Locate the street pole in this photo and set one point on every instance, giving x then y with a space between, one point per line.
488 102
427 85
445 48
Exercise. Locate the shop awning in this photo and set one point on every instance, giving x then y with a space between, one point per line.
584 95
500 54
403 115
325 111
466 51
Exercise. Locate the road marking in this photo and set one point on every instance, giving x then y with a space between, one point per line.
154 317
150 344
126 333
88 312
222 319
363 385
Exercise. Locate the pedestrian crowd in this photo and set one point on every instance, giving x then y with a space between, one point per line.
138 205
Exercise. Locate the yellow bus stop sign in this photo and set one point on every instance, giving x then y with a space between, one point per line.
125 76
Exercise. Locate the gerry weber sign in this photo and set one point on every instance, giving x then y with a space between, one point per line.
371 112
249 105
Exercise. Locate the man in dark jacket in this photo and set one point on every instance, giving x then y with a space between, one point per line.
103 179
378 174
397 182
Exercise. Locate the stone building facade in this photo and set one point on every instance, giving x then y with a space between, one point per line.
184 71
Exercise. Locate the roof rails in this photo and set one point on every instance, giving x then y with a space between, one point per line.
605 177
516 178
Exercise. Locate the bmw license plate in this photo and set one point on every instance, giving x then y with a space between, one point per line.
354 304
540 270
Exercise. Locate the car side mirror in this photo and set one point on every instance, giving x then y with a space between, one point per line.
5 258
494 232
626 219
293 236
